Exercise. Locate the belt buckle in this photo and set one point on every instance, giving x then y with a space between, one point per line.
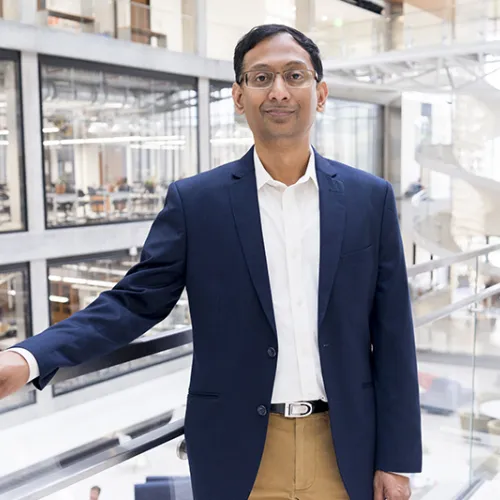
298 410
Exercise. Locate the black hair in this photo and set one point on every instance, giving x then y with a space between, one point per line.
264 31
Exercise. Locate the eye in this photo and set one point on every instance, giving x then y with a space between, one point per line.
295 75
261 77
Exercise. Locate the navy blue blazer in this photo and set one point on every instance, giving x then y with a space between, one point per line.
208 238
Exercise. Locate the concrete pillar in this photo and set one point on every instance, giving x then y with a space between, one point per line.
305 15
204 124
394 25
27 11
14 146
392 172
11 10
32 142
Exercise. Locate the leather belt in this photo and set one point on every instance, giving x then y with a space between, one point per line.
299 409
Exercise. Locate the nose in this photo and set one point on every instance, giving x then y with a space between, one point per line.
279 90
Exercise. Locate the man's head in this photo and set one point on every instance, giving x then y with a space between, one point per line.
95 491
279 85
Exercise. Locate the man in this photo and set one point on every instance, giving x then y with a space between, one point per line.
299 303
95 493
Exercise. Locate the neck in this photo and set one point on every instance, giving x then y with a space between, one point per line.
285 163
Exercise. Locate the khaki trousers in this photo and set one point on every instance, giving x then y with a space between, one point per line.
299 461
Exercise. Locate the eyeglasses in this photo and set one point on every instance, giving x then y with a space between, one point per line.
293 78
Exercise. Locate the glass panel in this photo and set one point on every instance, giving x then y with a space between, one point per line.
12 199
14 306
230 136
351 132
459 378
83 430
114 142
75 283
15 322
483 418
445 394
158 473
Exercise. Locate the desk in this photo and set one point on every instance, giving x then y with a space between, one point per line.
491 409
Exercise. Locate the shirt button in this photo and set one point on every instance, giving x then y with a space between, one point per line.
271 352
262 410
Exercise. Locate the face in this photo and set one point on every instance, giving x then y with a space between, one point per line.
279 112
94 494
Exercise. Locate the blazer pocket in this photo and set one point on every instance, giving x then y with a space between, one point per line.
356 252
203 395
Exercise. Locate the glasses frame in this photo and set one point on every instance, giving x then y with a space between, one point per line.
244 78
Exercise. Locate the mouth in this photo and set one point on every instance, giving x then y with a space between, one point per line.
279 112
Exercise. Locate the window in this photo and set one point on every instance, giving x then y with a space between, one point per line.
230 137
15 320
76 282
351 132
12 197
113 142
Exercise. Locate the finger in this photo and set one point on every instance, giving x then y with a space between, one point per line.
378 493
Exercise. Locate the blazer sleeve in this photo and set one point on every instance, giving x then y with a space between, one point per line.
142 298
398 441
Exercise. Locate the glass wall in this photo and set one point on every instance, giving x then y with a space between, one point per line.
76 282
15 320
113 141
12 196
230 137
349 132
352 133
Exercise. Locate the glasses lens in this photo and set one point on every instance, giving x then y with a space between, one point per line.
259 79
298 78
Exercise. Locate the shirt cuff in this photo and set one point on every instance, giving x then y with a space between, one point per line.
30 359
404 474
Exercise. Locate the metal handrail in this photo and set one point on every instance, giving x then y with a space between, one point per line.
57 479
452 259
139 348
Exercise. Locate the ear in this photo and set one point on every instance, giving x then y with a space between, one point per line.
238 99
321 95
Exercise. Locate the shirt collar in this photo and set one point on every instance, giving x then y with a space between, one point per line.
263 177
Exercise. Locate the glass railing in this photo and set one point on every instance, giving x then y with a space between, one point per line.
156 25
129 443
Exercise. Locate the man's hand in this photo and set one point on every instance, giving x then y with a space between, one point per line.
389 486
14 373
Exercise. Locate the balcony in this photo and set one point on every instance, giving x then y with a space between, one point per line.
158 24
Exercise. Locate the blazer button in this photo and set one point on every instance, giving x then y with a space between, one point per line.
262 410
271 352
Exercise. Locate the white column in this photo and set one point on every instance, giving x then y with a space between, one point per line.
27 11
200 22
14 146
305 15
204 124
32 142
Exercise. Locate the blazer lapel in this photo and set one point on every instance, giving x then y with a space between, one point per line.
245 204
332 224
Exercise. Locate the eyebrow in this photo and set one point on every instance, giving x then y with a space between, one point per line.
267 66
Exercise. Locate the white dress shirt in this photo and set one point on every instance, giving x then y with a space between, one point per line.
290 228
